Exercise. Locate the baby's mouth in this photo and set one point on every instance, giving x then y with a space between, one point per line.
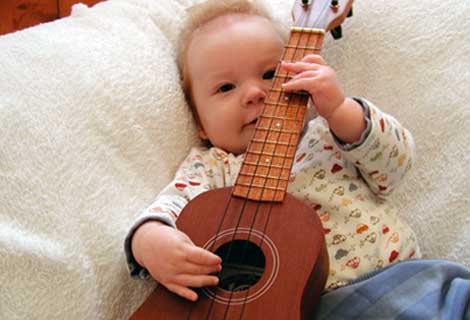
252 122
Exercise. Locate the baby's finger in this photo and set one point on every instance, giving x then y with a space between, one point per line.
305 74
183 291
297 67
199 255
299 84
314 58
196 281
196 269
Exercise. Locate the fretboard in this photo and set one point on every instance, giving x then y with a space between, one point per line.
265 172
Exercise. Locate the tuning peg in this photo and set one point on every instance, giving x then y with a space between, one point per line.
350 13
337 32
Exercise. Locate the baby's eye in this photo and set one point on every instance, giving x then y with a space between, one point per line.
226 87
268 74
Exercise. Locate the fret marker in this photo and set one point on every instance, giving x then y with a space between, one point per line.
267 160
278 125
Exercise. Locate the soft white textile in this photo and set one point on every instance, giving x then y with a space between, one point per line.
93 124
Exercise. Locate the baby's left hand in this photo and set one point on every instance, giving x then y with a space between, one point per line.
316 77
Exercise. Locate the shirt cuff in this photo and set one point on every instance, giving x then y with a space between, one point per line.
350 146
135 269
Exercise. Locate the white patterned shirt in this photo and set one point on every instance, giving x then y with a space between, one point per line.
347 184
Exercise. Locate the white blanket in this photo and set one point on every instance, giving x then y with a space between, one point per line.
93 125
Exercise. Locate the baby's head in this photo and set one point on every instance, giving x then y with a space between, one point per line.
227 55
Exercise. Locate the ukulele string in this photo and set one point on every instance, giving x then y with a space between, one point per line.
290 95
269 166
316 49
219 227
263 187
258 204
305 48
227 255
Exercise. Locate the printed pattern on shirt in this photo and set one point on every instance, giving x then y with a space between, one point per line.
347 187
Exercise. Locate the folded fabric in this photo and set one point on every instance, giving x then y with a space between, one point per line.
414 289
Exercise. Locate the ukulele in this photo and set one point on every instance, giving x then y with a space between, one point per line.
274 257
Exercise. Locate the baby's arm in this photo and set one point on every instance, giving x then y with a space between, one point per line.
155 246
386 153
383 153
344 115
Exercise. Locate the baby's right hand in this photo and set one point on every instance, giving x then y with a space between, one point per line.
174 260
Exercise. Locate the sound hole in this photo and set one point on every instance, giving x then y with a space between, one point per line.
242 266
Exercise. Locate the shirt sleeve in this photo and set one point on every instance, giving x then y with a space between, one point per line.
192 178
384 153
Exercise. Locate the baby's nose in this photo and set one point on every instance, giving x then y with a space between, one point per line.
254 95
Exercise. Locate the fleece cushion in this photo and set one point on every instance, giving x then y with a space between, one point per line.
93 124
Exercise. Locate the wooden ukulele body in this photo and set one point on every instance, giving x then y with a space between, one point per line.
289 235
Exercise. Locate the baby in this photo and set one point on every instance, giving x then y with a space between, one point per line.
348 161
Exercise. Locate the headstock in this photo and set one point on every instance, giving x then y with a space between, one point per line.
322 14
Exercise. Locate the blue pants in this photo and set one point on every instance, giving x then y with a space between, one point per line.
414 289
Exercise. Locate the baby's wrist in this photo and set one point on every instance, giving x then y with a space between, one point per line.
347 121
142 236
334 113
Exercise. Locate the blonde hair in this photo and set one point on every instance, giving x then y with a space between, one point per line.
205 12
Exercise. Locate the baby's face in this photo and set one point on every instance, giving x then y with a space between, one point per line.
231 61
